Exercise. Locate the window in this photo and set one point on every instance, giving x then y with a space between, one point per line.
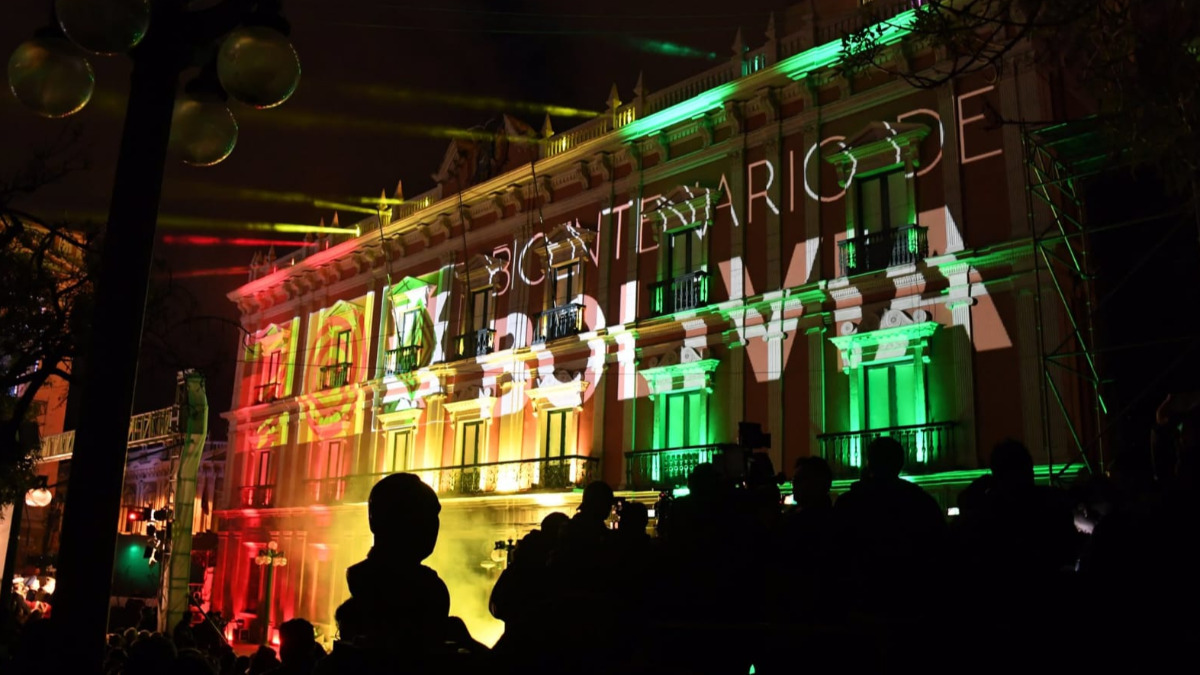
554 432
262 473
566 283
683 255
481 309
470 443
342 350
684 421
399 452
335 465
254 582
408 332
891 396
268 389
883 202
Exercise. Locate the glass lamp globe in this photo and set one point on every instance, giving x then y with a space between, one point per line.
203 133
38 497
50 77
104 26
258 66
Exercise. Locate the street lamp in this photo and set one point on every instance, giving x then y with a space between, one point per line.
270 557
49 75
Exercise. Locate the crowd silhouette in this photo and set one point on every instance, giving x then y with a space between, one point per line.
1095 576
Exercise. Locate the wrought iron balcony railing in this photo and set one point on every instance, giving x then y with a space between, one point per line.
526 475
559 322
336 375
151 427
268 392
876 251
476 343
257 496
402 360
927 448
684 292
667 468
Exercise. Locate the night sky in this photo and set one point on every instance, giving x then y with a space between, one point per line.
374 74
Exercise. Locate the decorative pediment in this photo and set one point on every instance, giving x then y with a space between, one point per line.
471 402
679 371
480 271
879 145
558 389
566 243
684 207
273 338
410 291
893 336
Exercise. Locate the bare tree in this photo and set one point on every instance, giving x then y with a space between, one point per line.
1131 64
45 297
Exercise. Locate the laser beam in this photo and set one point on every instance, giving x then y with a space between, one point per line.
385 93
211 272
199 240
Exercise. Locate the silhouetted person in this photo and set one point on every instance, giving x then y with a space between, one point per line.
807 535
261 663
1020 530
889 530
297 648
406 601
521 597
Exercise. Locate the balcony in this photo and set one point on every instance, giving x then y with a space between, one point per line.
265 393
151 427
476 343
667 468
257 496
336 375
559 322
682 293
402 360
526 475
927 448
876 251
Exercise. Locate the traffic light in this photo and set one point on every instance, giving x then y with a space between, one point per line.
139 514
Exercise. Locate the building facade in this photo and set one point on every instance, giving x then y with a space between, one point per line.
831 257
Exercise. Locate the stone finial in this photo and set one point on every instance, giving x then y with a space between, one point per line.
614 98
547 130
334 222
770 33
639 89
739 45
399 193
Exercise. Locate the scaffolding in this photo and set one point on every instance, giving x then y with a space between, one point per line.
1059 160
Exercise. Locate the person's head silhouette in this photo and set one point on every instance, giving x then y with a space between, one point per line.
812 482
403 514
296 640
597 501
634 519
1012 465
553 524
704 483
885 458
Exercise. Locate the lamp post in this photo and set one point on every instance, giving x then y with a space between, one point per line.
270 557
253 63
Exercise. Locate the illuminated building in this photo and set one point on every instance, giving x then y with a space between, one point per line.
766 242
